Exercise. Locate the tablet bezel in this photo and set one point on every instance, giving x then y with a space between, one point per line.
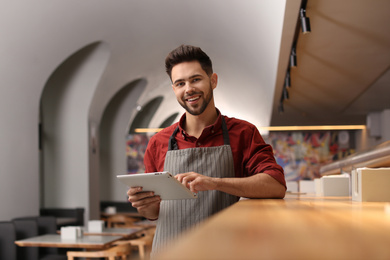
162 183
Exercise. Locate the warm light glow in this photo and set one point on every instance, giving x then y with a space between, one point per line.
314 127
148 130
281 128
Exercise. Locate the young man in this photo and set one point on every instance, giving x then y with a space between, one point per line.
220 158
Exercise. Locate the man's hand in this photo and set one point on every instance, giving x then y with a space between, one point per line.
147 204
260 185
197 182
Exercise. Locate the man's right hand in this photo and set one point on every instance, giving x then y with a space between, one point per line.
147 204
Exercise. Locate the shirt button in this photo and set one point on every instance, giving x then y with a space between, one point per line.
198 144
212 131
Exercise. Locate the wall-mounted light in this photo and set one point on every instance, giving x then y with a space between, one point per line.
305 21
285 93
280 107
293 57
287 80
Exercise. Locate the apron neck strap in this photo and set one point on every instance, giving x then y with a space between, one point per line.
172 145
225 132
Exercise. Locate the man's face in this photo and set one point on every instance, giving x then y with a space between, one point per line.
192 86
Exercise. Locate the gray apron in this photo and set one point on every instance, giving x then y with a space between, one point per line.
177 216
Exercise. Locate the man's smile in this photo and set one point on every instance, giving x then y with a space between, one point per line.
192 99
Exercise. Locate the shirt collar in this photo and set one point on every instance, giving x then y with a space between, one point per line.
207 130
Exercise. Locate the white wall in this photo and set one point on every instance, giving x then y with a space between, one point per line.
65 105
19 185
113 132
37 36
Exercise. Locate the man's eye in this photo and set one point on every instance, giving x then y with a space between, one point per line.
195 80
180 84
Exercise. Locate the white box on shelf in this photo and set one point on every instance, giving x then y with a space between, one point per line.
292 186
333 185
318 187
371 184
95 225
307 186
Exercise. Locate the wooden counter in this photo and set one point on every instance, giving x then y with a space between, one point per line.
297 227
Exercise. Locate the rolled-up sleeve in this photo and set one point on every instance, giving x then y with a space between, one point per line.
260 159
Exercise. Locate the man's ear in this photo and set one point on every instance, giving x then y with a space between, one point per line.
214 80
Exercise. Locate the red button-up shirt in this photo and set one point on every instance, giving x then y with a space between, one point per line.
250 153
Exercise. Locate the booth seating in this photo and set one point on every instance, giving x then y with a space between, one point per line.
120 206
26 227
7 239
46 225
65 216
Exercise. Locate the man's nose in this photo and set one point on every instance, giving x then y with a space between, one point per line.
189 87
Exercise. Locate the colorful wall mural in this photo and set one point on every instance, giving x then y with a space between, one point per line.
301 154
135 151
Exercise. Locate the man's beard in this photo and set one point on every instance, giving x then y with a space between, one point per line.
203 106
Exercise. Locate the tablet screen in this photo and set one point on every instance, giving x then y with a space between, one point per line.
162 183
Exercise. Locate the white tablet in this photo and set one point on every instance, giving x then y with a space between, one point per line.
162 183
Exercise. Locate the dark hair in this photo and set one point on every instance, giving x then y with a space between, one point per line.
187 53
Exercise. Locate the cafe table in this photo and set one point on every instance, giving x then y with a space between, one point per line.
300 226
94 242
105 215
125 233
145 223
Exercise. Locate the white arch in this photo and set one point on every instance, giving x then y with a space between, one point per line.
112 142
65 105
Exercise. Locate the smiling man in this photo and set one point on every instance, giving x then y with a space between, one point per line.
191 75
218 157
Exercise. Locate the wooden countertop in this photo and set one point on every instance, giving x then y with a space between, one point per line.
297 227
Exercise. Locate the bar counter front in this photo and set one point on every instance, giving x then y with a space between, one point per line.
296 227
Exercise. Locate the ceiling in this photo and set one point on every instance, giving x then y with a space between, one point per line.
343 65
242 37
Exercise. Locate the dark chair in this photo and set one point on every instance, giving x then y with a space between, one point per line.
44 225
48 225
26 228
7 240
